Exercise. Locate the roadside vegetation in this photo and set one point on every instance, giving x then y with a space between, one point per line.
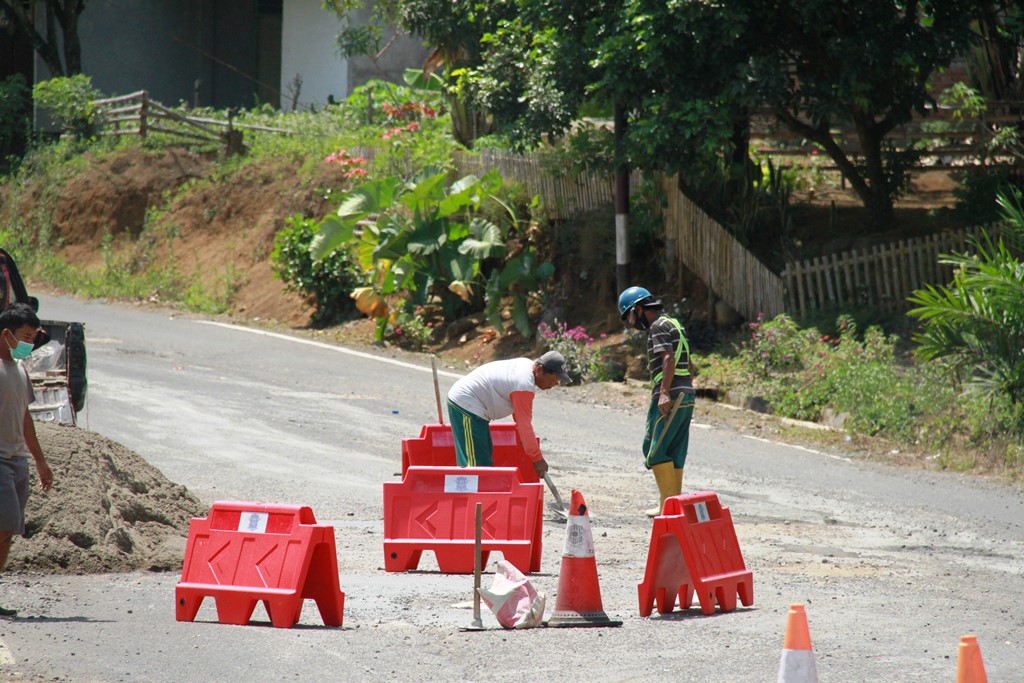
416 249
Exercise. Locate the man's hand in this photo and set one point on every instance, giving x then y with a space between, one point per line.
45 475
540 467
665 404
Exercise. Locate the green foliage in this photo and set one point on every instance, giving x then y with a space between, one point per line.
325 283
978 192
801 372
411 331
575 345
69 100
426 241
583 361
14 114
976 323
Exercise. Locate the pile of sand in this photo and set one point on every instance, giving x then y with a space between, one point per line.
108 511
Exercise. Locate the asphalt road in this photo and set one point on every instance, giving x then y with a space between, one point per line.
893 565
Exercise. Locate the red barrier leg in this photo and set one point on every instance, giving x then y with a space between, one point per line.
187 605
234 609
399 559
725 593
322 584
746 591
284 611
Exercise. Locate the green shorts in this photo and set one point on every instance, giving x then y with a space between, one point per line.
671 441
472 436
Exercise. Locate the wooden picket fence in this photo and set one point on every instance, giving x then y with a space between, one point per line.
881 276
137 114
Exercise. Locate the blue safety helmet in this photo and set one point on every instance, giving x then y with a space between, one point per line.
631 297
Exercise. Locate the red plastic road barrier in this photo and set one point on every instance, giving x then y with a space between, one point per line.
434 508
435 448
694 550
242 553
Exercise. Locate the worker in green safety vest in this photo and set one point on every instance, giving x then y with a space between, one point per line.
667 432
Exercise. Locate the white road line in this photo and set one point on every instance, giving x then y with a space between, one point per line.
331 347
796 446
6 658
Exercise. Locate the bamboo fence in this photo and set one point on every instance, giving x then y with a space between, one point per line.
718 259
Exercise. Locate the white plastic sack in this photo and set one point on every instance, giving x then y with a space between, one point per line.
513 599
45 358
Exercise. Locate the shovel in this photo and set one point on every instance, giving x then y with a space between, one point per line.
558 505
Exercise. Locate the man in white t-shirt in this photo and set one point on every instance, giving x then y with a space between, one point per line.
496 390
18 328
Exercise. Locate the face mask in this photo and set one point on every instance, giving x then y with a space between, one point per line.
21 351
638 319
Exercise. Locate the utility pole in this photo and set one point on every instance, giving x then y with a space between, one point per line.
621 201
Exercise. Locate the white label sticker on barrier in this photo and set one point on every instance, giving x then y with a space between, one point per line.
702 512
579 541
253 522
461 483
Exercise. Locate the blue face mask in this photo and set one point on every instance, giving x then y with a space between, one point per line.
21 351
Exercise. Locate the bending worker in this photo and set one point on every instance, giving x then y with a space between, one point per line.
496 390
667 432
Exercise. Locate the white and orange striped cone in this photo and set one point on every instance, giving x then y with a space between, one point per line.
969 667
579 594
797 664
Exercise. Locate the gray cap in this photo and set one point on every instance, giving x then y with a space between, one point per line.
554 363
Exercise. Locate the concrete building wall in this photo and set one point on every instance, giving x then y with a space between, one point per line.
311 68
204 52
309 50
132 47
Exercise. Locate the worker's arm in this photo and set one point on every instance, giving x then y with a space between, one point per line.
668 374
45 475
522 413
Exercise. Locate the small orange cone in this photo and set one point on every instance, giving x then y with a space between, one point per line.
579 594
969 667
797 664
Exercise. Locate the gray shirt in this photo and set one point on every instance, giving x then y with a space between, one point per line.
15 395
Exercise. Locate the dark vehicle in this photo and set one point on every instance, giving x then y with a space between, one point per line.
57 364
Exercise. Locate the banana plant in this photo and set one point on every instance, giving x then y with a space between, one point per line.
425 240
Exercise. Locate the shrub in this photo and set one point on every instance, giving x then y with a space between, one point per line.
410 330
326 283
69 101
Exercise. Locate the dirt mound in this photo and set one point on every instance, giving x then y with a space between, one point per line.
109 510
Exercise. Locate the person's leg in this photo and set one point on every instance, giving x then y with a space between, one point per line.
14 490
679 445
670 441
472 437
655 460
5 547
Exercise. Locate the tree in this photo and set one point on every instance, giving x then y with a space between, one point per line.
690 73
863 64
996 64
61 31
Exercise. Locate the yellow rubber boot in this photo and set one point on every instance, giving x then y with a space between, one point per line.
665 477
679 481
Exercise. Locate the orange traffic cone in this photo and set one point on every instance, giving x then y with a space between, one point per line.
797 664
969 667
579 594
